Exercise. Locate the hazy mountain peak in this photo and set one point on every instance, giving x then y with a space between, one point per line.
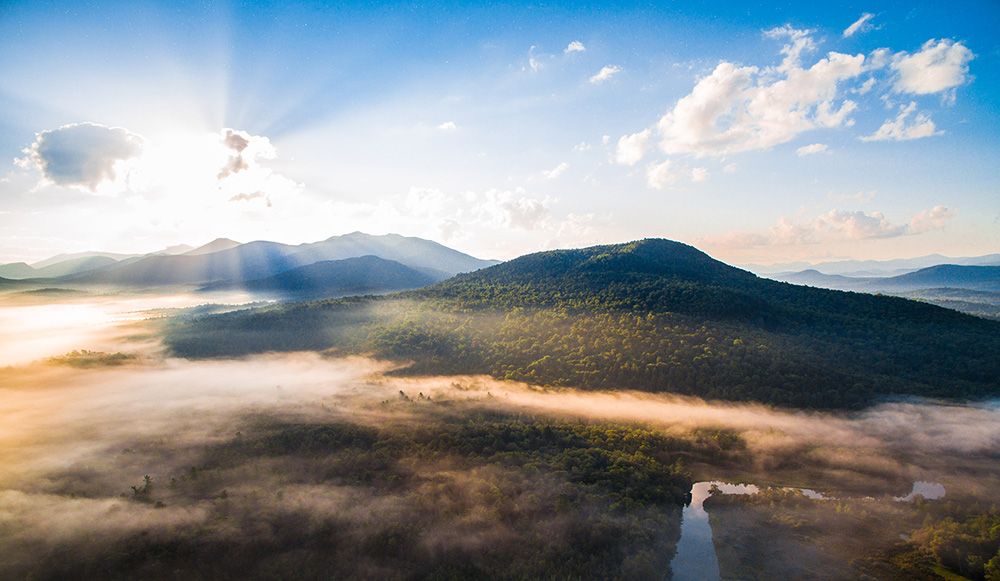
213 246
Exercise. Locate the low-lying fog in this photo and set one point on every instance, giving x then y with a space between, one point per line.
76 443
39 324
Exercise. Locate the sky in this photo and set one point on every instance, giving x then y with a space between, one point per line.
757 132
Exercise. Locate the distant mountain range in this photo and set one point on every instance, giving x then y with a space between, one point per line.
980 278
223 263
872 268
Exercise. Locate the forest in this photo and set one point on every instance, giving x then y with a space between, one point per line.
653 315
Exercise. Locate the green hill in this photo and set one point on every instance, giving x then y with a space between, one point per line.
652 315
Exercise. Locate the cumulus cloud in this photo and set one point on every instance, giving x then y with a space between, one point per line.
582 146
799 42
902 128
83 154
515 210
555 172
575 46
835 226
661 175
937 218
605 74
631 148
742 108
448 126
939 66
860 25
810 149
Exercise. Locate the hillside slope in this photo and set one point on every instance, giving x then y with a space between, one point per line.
651 315
335 278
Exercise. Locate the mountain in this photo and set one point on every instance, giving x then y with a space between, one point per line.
363 275
982 278
244 262
873 268
16 270
213 246
77 255
64 265
70 266
651 315
431 257
220 261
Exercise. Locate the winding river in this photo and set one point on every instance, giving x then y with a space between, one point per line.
696 560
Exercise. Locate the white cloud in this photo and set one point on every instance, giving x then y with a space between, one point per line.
83 154
861 24
834 226
661 175
426 202
729 168
858 225
658 176
810 149
448 126
744 108
631 148
901 129
582 146
936 218
555 172
937 67
800 42
605 74
513 209
866 86
533 61
575 46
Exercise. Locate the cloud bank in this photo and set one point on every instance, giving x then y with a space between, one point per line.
835 226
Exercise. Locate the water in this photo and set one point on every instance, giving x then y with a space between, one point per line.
696 560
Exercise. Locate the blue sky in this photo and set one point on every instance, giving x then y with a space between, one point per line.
759 133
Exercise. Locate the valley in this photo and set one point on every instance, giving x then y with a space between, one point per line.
546 417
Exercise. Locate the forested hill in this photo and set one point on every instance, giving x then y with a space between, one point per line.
652 315
662 276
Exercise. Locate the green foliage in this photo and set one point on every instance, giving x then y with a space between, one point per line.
652 316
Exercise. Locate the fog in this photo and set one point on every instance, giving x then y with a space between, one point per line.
77 442
35 325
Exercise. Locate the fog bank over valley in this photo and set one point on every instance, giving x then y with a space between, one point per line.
122 461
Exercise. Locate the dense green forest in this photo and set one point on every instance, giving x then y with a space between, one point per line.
652 315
